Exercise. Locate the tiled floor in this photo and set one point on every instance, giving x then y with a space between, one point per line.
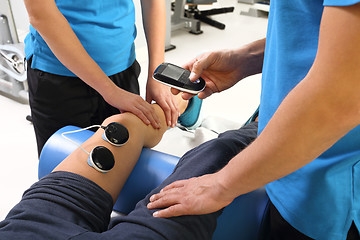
17 141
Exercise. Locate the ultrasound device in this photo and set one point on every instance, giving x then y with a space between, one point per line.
178 77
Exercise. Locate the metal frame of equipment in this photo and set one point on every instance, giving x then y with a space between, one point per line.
13 80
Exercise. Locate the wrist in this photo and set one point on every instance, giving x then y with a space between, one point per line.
226 191
110 91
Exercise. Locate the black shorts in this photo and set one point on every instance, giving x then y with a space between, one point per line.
57 101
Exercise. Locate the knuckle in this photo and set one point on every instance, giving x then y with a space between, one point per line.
137 111
166 107
171 210
147 111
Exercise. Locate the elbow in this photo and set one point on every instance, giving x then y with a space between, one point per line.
35 18
37 12
33 22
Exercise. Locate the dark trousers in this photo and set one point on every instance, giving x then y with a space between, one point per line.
282 230
67 206
57 101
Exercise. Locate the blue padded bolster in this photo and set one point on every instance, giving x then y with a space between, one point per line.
242 219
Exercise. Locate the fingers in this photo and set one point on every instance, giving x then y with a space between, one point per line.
130 102
172 200
168 202
184 95
194 196
177 184
205 93
163 199
170 110
147 114
198 65
174 113
172 211
187 96
167 111
165 99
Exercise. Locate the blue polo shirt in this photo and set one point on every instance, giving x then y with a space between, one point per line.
106 29
322 198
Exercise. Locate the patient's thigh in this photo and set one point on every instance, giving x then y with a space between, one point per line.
207 158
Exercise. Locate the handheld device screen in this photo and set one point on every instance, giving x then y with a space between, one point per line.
173 71
178 77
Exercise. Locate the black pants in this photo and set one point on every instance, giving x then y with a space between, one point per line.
57 101
282 230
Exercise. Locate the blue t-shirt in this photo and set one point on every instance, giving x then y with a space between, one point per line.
322 198
106 29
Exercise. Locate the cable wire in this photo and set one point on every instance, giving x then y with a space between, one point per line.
79 130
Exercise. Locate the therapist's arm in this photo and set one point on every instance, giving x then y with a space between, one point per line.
317 113
46 18
154 23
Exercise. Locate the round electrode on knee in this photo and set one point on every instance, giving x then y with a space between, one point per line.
101 159
116 134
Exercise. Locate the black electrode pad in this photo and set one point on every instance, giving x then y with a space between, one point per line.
116 134
101 159
178 77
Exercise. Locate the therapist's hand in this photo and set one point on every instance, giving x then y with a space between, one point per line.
162 95
194 196
130 102
220 70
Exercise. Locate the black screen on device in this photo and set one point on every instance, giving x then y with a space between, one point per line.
173 72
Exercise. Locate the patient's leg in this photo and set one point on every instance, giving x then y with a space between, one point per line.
207 158
75 198
64 205
126 156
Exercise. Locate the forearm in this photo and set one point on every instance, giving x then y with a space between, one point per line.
153 12
63 42
305 125
254 55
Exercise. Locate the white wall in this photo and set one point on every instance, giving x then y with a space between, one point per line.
20 15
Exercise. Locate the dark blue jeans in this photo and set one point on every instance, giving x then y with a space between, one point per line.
64 205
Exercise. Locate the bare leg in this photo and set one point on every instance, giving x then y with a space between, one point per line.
126 156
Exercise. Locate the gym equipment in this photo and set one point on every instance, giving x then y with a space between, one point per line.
13 80
205 15
191 17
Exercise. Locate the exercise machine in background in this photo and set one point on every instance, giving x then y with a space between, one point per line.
187 15
205 15
13 80
258 8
